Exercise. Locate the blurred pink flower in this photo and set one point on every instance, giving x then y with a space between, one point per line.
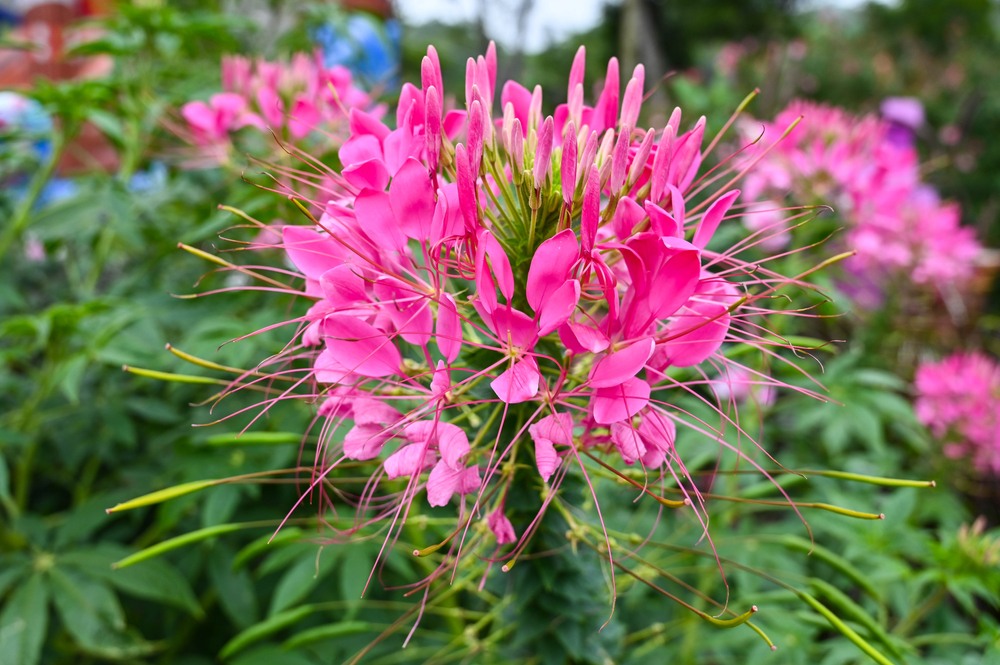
896 224
958 398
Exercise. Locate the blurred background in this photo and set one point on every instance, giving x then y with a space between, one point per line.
128 128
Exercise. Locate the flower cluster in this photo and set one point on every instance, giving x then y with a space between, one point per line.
958 398
491 295
292 99
868 169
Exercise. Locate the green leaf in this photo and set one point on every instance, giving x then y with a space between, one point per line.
154 580
264 629
24 622
328 632
85 604
221 504
300 579
354 575
235 588
14 566
270 654
177 542
268 542
4 480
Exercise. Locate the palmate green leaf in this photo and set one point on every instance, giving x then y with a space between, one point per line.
24 622
14 567
154 580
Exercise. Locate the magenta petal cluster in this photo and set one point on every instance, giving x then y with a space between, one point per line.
896 224
498 289
292 99
958 399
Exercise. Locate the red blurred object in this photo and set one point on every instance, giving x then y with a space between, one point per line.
48 32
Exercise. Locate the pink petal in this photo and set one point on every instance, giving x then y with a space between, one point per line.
627 215
448 331
590 216
577 71
328 369
547 460
627 441
658 432
556 427
200 116
364 442
492 251
444 481
360 148
272 108
412 196
543 153
408 460
375 211
453 444
519 383
662 222
606 110
360 347
618 403
362 122
369 174
632 101
369 411
311 252
567 165
581 338
550 266
304 118
558 307
343 287
519 97
501 527
514 328
696 335
466 180
618 366
712 217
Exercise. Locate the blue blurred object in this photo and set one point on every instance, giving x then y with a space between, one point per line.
363 43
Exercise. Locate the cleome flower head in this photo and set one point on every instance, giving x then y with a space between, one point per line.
958 399
867 168
497 297
289 98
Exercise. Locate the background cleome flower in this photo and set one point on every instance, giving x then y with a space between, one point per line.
294 99
497 303
868 169
958 398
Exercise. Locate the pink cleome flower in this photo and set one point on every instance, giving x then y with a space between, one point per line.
896 224
493 291
292 99
958 398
